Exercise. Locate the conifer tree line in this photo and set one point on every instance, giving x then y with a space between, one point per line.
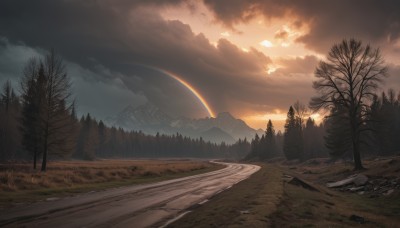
96 140
303 139
380 132
42 122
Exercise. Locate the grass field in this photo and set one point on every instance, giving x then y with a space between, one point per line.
20 183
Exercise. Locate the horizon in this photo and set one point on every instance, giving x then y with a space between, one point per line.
106 120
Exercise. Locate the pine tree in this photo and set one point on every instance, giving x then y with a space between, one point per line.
102 138
338 136
310 139
33 90
293 139
384 120
254 147
270 143
279 143
9 114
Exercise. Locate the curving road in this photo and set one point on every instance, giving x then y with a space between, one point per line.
135 206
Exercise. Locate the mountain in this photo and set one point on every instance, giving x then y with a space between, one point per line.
147 118
150 119
217 135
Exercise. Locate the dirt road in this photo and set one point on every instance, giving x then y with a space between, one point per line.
136 206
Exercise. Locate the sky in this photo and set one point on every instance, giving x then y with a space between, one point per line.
252 58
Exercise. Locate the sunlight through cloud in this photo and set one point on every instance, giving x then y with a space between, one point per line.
226 34
266 43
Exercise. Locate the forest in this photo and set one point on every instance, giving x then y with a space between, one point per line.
41 121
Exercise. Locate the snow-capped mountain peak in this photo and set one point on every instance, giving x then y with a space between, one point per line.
150 119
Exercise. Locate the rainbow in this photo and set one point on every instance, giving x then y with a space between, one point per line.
193 90
187 86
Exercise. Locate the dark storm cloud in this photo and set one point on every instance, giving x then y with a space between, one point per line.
111 41
85 84
11 60
110 37
328 21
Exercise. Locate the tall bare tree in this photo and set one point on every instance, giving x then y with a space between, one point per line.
47 122
56 121
349 77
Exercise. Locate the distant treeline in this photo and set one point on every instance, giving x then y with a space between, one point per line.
306 140
42 122
97 140
92 139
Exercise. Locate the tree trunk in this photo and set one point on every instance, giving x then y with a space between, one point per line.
355 136
34 158
44 162
356 154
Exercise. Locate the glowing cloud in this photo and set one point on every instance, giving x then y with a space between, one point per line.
226 34
266 43
285 44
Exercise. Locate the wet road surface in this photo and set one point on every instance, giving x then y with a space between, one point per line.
149 205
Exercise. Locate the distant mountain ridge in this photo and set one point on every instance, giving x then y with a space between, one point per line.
150 119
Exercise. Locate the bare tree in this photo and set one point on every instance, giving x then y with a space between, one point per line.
46 122
56 121
301 112
349 78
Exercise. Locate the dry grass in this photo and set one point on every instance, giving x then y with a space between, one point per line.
271 202
19 182
328 208
247 204
303 208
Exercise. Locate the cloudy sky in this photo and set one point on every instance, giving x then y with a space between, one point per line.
252 58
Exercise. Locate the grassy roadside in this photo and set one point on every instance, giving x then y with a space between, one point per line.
330 208
17 185
303 208
268 199
247 204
